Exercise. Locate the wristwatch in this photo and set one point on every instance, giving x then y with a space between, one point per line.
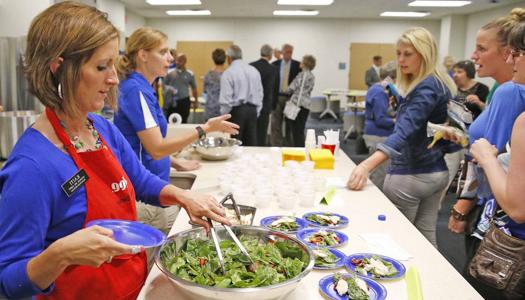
457 215
201 132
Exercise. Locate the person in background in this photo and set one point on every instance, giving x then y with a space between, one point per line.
277 53
372 74
288 70
173 64
417 174
470 92
1 108
269 77
142 123
494 124
301 89
448 64
379 122
241 95
177 87
212 84
47 250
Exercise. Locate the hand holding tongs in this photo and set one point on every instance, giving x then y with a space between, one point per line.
215 239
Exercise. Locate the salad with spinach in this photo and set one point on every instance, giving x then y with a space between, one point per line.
197 261
324 238
325 258
325 219
284 224
353 287
374 266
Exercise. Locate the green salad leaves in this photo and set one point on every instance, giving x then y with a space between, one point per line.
374 266
325 258
197 261
353 287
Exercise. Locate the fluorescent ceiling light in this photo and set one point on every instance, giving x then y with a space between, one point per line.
305 2
189 12
174 2
295 12
422 3
408 14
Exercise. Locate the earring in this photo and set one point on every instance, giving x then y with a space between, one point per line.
60 91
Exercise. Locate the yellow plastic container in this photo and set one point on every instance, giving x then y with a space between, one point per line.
323 158
290 154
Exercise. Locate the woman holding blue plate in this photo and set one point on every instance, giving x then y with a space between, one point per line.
72 167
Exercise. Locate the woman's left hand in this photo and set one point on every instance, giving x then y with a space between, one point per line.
482 151
358 178
199 205
220 124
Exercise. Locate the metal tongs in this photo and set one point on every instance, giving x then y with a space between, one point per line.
215 237
234 204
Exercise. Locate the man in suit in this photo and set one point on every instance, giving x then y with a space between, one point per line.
372 74
288 68
269 75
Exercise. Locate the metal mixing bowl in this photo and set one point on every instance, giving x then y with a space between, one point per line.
216 148
197 291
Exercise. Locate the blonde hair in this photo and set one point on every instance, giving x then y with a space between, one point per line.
422 40
71 31
504 25
308 62
144 38
516 37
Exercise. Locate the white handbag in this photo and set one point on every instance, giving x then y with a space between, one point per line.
291 110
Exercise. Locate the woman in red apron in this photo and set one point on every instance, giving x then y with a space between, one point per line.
46 248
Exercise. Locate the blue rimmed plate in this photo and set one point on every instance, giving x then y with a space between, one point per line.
305 234
401 270
343 221
265 222
327 288
338 254
132 232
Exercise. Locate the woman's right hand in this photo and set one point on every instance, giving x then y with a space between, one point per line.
199 205
91 246
220 124
358 178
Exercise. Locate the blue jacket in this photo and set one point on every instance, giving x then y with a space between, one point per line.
407 146
377 120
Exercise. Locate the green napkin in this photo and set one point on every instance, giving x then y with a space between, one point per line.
327 198
414 291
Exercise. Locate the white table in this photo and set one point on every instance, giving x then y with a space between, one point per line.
331 96
439 280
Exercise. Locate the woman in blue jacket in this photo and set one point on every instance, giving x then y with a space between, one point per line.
417 174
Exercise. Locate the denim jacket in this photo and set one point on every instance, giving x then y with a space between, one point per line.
407 145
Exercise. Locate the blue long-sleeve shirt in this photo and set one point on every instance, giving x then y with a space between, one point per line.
407 146
240 84
377 120
35 212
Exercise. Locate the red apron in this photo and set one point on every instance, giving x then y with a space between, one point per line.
124 277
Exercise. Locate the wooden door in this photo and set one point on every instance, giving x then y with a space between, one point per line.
361 60
199 57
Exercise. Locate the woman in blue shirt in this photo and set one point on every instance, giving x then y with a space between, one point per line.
141 120
417 174
71 167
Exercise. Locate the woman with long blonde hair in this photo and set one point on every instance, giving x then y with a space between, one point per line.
417 174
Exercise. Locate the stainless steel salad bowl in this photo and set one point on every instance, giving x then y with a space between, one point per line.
216 148
197 291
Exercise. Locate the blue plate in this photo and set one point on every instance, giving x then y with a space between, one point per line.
304 234
265 222
342 222
132 232
326 286
395 263
339 264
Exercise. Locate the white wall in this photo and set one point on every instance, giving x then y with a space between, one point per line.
133 22
452 38
16 15
327 39
116 12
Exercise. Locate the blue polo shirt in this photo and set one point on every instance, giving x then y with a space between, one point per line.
35 211
138 110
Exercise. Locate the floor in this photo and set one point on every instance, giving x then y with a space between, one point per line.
451 245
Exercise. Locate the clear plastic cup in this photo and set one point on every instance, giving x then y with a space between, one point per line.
307 198
288 201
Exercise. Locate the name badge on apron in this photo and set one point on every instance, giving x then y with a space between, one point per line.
74 183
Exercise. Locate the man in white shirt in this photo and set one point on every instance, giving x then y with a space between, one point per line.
241 95
372 74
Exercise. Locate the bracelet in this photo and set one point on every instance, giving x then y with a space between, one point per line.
457 215
201 132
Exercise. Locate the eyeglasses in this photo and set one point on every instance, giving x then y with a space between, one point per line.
517 53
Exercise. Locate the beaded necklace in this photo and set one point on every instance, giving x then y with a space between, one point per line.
77 142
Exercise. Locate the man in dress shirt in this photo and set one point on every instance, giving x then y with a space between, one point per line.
372 74
241 95
288 69
269 76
